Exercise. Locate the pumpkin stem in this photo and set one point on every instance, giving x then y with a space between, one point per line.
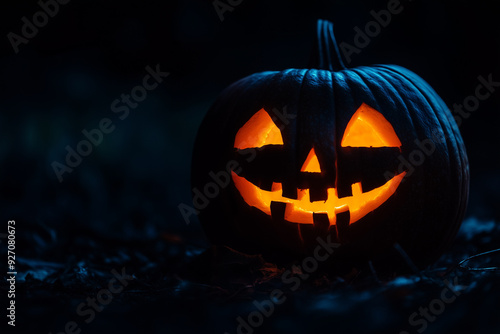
326 53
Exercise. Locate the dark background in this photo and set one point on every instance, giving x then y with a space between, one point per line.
119 206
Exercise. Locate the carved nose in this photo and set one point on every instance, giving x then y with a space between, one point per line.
311 165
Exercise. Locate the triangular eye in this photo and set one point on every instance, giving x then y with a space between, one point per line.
258 131
369 128
311 165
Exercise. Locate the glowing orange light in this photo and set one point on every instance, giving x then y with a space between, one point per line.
311 165
369 128
301 210
258 131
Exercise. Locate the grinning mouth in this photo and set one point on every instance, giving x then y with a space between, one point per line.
301 210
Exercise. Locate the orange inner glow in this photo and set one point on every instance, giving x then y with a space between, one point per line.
311 165
258 131
301 210
369 128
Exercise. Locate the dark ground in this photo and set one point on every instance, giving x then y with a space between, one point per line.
118 208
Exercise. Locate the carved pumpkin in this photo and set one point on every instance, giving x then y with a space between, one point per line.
370 156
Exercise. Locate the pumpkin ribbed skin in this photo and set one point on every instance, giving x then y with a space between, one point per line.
314 107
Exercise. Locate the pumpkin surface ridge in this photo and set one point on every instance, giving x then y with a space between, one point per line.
369 87
460 173
445 125
412 110
459 148
408 110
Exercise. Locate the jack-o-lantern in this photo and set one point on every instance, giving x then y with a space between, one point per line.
368 157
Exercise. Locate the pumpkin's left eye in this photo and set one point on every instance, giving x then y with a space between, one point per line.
258 131
369 128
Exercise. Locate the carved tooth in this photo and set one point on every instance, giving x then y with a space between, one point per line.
276 186
301 193
356 189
